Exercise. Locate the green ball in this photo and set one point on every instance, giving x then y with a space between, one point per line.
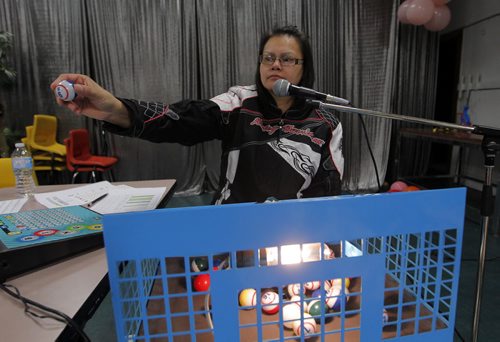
315 309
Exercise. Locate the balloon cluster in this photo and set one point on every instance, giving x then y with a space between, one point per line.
433 14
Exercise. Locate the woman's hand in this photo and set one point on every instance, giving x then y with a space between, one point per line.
93 101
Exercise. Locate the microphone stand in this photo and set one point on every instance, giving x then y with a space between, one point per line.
490 146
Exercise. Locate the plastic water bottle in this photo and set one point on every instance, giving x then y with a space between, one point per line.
22 163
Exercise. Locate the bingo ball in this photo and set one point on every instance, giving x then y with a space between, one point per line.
248 297
385 317
398 186
296 300
65 91
338 282
312 285
412 188
314 308
270 302
290 313
308 326
294 290
201 282
327 284
317 293
332 298
199 264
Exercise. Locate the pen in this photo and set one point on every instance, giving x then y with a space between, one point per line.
93 202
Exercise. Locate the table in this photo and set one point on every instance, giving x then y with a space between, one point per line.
74 286
460 139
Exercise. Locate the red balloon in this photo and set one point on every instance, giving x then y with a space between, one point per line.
201 282
420 11
440 19
402 11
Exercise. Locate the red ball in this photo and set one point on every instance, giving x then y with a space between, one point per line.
201 282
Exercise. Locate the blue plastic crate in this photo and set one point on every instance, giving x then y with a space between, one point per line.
397 253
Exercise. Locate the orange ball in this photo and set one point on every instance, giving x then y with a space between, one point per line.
412 188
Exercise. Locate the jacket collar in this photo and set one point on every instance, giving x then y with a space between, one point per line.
269 109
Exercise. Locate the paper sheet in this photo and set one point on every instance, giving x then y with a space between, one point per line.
75 196
121 200
12 206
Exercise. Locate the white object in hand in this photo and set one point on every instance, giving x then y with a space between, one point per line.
65 91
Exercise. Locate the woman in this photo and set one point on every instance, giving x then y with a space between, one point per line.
272 146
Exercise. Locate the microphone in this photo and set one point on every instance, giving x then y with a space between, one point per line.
284 88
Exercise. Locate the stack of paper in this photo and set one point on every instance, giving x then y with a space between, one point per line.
105 198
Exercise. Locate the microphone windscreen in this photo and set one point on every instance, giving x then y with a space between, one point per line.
280 87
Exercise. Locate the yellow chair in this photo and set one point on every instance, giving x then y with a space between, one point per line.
44 135
8 179
41 138
42 160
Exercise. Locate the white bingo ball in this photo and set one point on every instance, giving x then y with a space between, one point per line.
65 91
270 302
248 297
312 285
294 290
296 300
332 297
309 325
290 313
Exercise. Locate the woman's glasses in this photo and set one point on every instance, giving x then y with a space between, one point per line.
284 60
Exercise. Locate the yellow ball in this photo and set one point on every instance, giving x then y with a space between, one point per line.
248 297
338 282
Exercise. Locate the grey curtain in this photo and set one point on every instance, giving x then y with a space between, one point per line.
49 38
165 50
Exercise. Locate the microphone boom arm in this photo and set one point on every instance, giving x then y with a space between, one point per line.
398 117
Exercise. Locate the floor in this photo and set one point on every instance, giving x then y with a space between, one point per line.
101 326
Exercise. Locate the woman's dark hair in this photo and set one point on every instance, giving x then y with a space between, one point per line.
292 31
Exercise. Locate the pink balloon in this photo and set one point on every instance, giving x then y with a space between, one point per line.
440 2
402 11
420 11
440 19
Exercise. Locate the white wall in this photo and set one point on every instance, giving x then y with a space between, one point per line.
480 69
466 12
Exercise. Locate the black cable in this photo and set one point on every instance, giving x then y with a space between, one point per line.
459 335
54 314
371 152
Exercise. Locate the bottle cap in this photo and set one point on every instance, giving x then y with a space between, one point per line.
65 91
19 145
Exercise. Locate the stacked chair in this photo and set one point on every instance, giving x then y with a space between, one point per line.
80 159
47 153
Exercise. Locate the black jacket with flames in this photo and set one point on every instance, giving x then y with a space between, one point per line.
265 153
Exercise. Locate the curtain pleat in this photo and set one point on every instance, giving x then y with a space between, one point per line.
166 50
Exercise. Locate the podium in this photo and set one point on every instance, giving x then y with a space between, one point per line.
387 266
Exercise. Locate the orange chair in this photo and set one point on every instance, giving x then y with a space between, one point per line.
79 159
